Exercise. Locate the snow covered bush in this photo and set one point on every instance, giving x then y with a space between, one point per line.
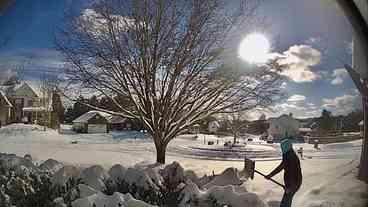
52 184
23 184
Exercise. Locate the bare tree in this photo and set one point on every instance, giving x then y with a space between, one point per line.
174 60
236 122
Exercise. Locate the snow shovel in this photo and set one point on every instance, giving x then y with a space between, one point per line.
250 168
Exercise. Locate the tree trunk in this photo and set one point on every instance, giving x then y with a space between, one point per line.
160 153
363 169
360 28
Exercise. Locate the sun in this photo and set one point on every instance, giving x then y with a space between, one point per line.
255 48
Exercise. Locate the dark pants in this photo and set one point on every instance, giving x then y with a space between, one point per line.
287 199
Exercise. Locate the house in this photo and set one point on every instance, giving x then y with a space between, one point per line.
118 123
100 122
213 126
282 126
91 122
22 103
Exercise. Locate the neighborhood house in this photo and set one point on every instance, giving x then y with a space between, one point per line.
20 103
282 126
100 122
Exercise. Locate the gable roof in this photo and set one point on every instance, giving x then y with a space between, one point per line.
18 89
84 118
7 102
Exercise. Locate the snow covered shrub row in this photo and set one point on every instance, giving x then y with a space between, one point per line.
53 184
24 184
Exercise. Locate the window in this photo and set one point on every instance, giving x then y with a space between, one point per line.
30 103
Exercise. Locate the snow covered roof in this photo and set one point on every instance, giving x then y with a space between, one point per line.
361 123
116 119
6 99
34 109
89 115
110 118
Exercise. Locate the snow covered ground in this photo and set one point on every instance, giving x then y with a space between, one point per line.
327 172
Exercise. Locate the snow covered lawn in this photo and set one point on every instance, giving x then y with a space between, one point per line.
326 173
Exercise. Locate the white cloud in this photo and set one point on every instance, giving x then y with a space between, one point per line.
339 75
300 59
342 104
97 24
296 97
32 63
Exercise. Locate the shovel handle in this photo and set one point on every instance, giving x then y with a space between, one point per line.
270 179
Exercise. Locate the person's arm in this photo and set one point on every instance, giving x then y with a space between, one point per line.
276 170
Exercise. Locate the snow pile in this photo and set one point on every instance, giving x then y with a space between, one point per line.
59 202
117 199
219 195
173 174
117 172
139 178
229 177
11 161
86 190
94 176
51 166
64 174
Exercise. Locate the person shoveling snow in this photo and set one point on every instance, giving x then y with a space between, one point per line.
292 172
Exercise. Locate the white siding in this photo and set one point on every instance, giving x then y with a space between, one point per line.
283 125
97 128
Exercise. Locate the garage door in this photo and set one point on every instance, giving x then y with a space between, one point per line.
96 128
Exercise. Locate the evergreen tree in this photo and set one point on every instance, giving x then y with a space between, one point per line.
57 114
326 122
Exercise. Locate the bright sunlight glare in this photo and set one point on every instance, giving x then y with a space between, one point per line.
254 48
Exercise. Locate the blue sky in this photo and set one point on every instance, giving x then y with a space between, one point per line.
313 32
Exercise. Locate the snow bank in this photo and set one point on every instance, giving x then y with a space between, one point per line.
51 166
117 172
229 177
139 178
221 195
117 199
64 174
13 161
86 190
94 176
173 174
